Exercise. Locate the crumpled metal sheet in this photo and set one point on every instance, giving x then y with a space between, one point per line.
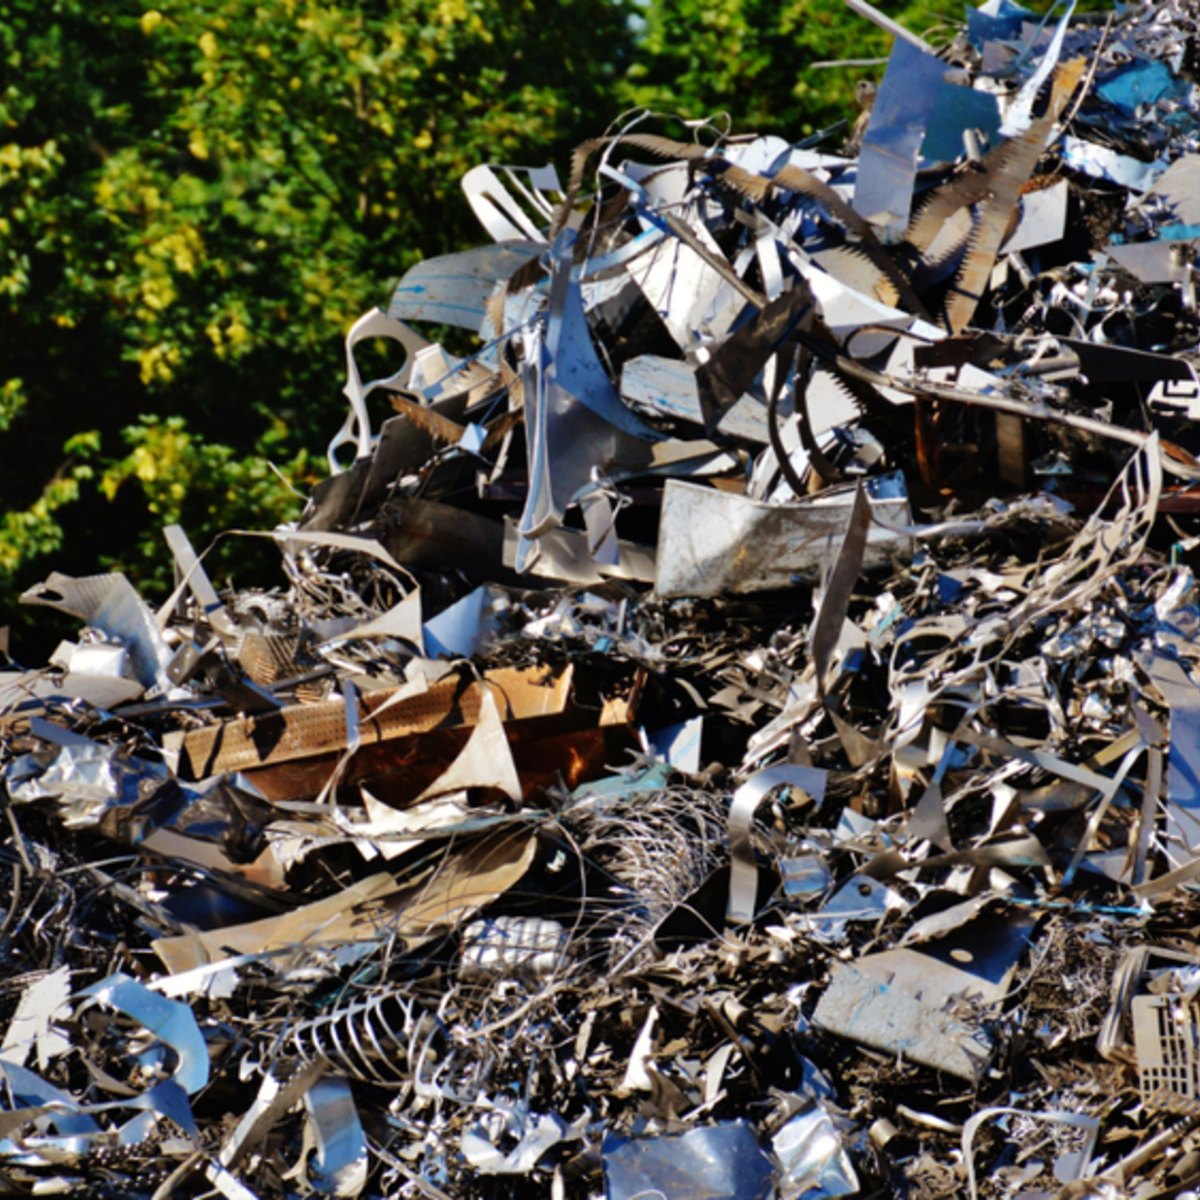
714 1162
813 1158
110 604
87 781
534 1133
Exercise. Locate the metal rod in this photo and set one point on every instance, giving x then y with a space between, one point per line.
887 24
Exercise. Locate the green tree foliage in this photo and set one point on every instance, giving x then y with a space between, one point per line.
197 199
755 59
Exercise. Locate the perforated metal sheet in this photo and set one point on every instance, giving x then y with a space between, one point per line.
1166 1034
267 658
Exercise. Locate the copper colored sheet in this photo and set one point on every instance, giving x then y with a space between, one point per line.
307 730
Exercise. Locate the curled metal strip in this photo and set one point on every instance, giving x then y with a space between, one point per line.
743 873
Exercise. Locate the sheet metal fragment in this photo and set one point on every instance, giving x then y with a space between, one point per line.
813 1157
713 1162
340 1168
760 547
903 1001
110 603
887 165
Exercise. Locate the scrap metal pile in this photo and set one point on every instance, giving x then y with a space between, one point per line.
733 732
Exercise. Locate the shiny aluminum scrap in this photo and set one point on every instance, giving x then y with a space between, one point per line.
734 734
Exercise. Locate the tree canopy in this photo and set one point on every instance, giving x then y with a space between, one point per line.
197 199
